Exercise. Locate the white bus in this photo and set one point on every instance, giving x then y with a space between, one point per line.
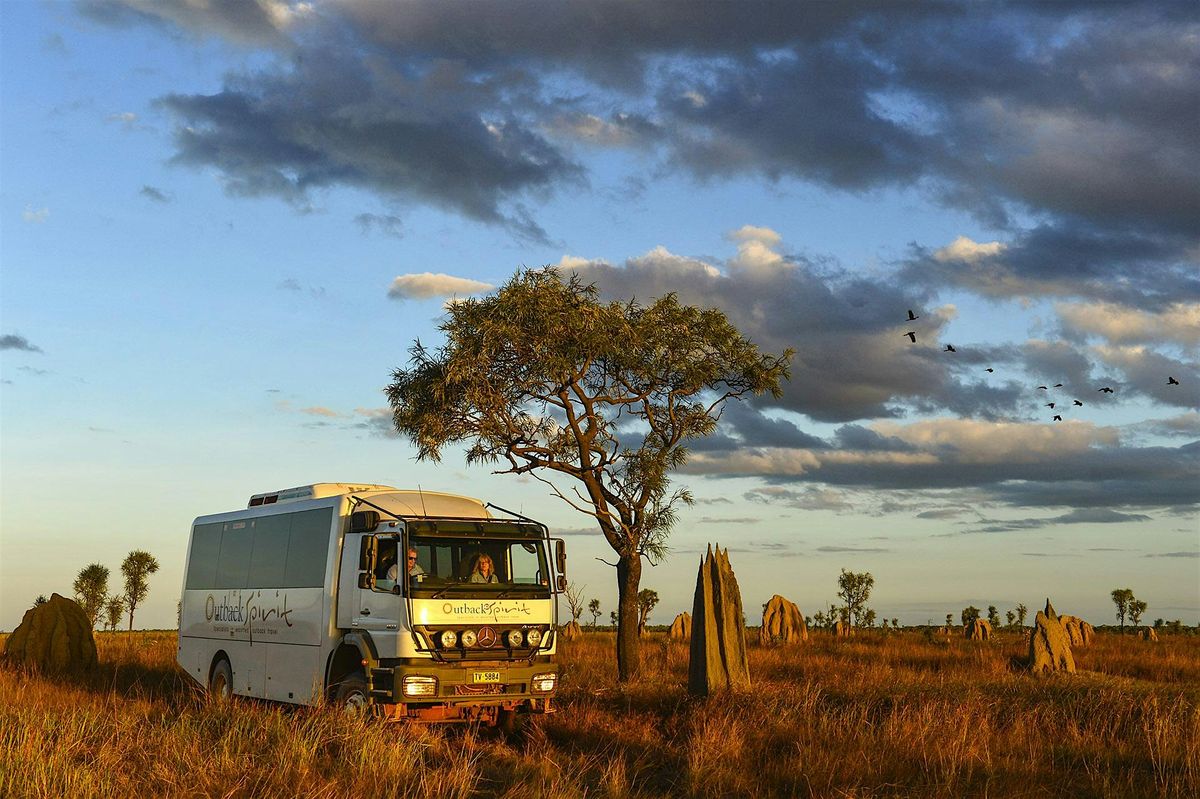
312 594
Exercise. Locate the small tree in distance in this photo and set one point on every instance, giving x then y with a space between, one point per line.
594 609
1011 617
1121 597
1022 612
969 614
574 594
546 378
91 588
855 590
949 620
1136 608
647 599
41 600
993 616
114 606
137 568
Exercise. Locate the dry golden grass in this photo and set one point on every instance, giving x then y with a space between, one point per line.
876 716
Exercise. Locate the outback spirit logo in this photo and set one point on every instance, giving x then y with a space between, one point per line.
491 610
248 612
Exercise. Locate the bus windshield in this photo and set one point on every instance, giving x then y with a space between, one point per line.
486 565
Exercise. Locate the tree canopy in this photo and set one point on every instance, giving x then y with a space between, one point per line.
545 379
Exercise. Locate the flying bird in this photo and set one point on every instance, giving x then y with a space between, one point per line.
989 369
911 315
1106 390
1080 404
949 348
1043 388
1057 418
1058 385
1172 381
912 335
1049 404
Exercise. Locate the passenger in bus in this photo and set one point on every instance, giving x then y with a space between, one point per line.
385 574
485 571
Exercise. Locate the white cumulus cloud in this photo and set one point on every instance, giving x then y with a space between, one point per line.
427 285
1178 323
968 250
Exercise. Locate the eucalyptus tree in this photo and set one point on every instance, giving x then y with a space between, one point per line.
545 379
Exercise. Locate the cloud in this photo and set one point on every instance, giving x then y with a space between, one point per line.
428 285
376 421
385 223
157 195
853 360
1187 554
851 549
335 117
1145 372
1178 323
35 215
318 410
12 341
1079 516
252 22
293 285
808 498
968 251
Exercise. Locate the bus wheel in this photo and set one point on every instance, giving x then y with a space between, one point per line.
220 682
510 723
351 695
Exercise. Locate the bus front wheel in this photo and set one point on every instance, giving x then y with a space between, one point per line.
220 682
351 695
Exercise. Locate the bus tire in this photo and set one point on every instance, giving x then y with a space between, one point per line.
220 681
510 723
351 696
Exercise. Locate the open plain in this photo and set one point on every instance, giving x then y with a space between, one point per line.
881 715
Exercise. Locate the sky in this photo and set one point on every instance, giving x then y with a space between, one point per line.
223 224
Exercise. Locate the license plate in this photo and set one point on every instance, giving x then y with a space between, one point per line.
486 676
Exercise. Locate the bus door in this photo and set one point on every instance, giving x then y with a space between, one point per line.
379 606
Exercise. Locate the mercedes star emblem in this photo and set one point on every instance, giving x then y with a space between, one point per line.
487 637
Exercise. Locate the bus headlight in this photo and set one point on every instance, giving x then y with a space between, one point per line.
469 638
543 683
533 637
420 686
448 639
514 638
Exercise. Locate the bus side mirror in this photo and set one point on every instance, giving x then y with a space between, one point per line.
364 521
562 584
560 556
366 553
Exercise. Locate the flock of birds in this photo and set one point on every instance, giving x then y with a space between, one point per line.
912 336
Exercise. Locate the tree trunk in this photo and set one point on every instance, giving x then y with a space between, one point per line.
131 617
629 578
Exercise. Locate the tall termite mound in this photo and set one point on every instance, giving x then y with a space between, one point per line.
718 653
681 628
54 637
1049 646
842 629
782 623
572 631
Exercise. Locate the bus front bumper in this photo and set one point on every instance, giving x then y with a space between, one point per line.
464 691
